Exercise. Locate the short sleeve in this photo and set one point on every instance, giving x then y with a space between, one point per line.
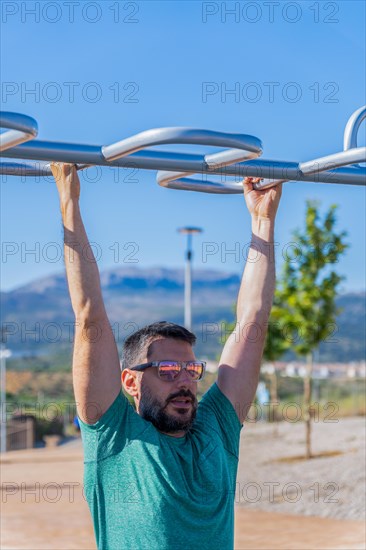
113 431
215 412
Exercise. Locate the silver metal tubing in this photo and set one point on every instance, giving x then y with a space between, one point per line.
352 126
21 128
57 152
155 160
352 156
192 184
347 175
323 164
161 136
32 168
274 172
239 161
17 121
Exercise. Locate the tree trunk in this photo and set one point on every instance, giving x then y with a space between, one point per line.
274 400
307 403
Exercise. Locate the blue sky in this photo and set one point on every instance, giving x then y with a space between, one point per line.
102 71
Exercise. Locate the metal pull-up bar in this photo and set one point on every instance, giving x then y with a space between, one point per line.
240 160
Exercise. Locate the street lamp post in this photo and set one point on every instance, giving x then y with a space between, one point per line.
4 353
189 231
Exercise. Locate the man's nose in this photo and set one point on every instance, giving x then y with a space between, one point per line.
184 378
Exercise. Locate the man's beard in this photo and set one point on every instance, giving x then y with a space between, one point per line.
152 410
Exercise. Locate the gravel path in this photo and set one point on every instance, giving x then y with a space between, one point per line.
43 506
331 486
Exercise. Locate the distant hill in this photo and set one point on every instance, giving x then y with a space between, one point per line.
39 320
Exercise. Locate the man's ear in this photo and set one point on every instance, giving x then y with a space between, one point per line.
130 382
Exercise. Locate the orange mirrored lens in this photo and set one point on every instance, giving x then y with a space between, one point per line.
195 370
169 370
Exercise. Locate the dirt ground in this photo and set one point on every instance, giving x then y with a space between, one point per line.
42 506
332 484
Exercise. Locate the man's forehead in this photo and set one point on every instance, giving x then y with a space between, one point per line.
161 346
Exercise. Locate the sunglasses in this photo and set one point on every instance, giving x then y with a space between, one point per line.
169 370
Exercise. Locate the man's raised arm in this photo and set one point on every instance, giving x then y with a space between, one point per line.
96 369
242 354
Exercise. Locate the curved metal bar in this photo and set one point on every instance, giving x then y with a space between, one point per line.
352 175
246 146
161 136
239 161
227 157
191 184
347 175
21 128
184 162
266 183
352 126
17 121
322 165
33 168
92 154
352 156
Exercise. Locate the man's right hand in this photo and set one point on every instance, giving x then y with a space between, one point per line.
96 368
67 181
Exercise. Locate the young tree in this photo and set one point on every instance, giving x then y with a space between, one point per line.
304 309
274 348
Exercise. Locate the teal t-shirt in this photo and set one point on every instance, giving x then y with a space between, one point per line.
148 490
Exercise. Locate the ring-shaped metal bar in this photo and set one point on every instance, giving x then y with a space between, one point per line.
352 127
21 128
331 169
185 162
193 184
153 160
32 168
188 136
353 175
244 147
214 162
322 164
351 155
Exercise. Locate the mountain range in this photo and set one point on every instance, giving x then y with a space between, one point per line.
37 318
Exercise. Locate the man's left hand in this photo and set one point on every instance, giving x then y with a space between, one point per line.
261 204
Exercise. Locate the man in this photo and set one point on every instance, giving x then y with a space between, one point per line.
163 478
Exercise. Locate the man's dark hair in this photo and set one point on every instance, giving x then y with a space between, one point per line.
136 345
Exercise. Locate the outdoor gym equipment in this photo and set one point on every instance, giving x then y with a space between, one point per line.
240 160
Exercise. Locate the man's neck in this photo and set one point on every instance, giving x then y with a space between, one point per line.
174 434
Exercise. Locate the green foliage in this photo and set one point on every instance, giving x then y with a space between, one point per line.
304 310
60 361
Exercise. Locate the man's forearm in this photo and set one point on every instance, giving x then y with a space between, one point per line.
242 354
81 266
95 364
258 283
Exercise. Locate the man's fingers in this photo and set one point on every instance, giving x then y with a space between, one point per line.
61 169
279 188
248 183
55 169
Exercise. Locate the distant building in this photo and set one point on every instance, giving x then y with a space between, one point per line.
353 369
